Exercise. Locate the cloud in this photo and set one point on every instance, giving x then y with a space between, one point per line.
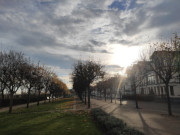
117 41
57 32
88 48
113 69
63 61
114 66
165 14
96 43
36 39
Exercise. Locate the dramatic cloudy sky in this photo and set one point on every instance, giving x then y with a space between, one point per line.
59 32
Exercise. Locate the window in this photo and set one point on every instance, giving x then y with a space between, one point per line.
161 90
155 90
158 90
171 90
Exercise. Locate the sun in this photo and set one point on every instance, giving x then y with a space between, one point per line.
124 56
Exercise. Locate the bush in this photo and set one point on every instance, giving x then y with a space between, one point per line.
101 121
114 131
131 131
111 125
97 113
113 122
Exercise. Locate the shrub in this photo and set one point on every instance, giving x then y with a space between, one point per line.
111 125
96 112
113 122
114 131
131 131
101 121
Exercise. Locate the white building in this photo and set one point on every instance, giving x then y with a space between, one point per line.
150 84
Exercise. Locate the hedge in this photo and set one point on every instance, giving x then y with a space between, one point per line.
112 125
20 100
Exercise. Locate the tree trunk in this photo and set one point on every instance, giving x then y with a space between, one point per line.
85 98
120 98
50 97
111 95
45 96
137 107
105 95
100 95
89 97
53 97
82 97
11 102
168 100
2 97
28 98
38 97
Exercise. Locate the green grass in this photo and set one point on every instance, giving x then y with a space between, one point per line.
48 119
58 105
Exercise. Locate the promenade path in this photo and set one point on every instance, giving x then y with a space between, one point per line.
152 118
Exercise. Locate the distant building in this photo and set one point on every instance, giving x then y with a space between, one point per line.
150 84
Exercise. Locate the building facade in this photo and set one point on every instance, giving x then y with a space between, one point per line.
147 82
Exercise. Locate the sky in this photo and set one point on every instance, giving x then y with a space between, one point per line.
59 32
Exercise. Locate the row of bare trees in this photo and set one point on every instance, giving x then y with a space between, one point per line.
109 87
18 72
83 75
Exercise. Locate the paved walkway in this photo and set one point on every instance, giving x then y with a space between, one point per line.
152 118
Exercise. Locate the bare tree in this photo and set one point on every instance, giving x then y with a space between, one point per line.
79 83
48 76
57 88
39 81
164 60
136 74
100 87
13 73
16 71
3 70
176 43
30 79
87 73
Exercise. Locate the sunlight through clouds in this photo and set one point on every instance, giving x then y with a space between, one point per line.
124 56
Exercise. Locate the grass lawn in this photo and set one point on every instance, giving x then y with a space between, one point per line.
48 119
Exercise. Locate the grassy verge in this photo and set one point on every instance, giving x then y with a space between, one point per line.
50 118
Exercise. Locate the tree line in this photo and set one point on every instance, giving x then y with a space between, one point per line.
89 79
161 58
84 74
18 72
109 87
